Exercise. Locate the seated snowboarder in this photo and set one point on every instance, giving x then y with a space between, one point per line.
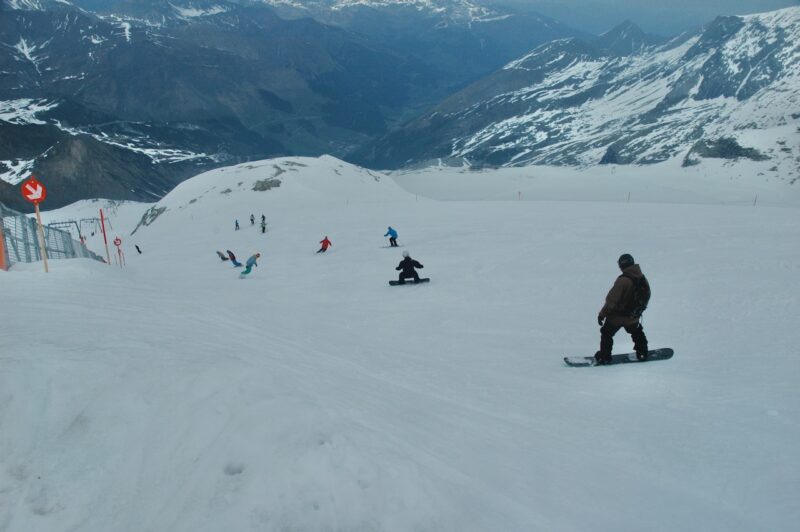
406 268
325 244
622 309
233 259
222 256
392 234
251 262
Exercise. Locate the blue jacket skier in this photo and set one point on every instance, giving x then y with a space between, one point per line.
251 262
392 234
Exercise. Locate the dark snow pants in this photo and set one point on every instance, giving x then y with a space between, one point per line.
610 328
393 242
408 275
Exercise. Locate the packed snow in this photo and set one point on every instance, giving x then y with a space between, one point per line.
173 395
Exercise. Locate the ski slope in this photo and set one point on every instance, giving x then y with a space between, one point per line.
173 396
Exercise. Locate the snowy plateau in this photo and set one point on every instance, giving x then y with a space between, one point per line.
171 395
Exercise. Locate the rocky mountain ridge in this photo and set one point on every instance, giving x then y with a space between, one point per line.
621 98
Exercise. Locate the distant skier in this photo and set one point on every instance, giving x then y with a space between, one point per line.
237 225
325 243
252 219
251 262
623 308
235 263
222 256
137 248
407 268
263 226
263 219
392 234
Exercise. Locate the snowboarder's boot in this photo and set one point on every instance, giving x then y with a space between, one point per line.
602 359
641 355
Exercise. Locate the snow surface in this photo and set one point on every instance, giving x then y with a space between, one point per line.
193 12
24 110
172 395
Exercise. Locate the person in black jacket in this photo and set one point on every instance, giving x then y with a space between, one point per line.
406 268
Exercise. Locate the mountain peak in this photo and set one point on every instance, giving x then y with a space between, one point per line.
625 39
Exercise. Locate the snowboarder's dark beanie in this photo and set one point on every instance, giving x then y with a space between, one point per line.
624 261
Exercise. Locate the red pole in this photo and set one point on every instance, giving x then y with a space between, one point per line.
105 239
3 265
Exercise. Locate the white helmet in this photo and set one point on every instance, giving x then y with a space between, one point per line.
405 254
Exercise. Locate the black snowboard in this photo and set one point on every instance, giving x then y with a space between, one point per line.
422 280
658 354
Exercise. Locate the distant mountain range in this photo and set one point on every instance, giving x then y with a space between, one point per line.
623 97
124 99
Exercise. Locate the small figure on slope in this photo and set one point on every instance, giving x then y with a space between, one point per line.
235 263
263 227
624 305
392 234
236 227
407 268
325 243
223 257
252 219
263 219
251 262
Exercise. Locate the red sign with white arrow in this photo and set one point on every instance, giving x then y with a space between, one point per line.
33 191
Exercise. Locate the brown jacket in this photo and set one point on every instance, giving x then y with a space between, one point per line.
620 298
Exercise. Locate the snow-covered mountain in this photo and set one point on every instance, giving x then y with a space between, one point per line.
732 90
124 99
454 11
112 105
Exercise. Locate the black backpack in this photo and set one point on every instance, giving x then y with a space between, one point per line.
641 295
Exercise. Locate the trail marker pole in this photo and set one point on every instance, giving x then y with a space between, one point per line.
118 243
41 237
3 262
105 239
755 200
35 192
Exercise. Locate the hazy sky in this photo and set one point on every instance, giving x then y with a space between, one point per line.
665 17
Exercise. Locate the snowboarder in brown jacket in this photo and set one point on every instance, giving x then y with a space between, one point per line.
617 312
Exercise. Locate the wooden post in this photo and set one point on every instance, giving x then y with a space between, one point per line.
41 237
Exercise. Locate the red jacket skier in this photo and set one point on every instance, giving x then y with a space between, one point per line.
325 244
